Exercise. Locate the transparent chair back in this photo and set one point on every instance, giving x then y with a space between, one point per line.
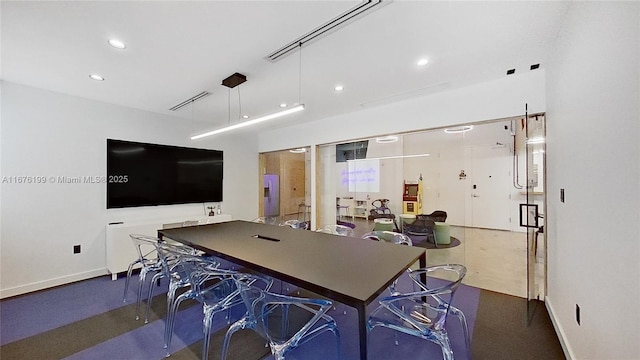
424 313
337 230
388 236
270 220
296 224
146 248
168 256
280 319
181 275
216 290
147 256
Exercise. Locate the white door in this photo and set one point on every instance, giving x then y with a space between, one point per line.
488 188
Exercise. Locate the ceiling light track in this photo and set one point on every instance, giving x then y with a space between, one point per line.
190 100
343 19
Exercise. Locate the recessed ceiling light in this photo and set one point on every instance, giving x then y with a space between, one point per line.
338 88
117 44
283 105
423 62
458 130
245 116
298 151
96 77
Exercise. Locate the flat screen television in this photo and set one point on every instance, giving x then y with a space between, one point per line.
140 174
351 151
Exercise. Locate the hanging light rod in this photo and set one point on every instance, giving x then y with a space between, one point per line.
251 122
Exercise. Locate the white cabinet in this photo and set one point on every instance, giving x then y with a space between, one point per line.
120 250
361 208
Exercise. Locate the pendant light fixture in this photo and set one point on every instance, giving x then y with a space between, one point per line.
237 79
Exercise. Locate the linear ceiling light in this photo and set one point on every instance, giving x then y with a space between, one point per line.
251 122
458 130
392 157
386 139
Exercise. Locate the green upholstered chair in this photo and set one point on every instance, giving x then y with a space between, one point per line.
443 233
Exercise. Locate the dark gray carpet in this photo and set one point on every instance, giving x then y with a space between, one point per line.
501 330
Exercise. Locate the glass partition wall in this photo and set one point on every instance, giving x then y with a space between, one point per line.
478 174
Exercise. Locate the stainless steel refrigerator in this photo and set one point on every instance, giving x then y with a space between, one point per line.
271 195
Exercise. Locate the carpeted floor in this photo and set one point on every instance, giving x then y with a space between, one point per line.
88 320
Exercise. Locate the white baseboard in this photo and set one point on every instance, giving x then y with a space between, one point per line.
41 285
565 347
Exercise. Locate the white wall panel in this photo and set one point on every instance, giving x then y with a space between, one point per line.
593 125
54 135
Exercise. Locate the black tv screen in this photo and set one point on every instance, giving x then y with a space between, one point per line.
351 151
140 174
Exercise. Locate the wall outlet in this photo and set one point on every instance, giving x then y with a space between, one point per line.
76 249
578 314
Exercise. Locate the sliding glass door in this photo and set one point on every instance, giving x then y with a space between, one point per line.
533 150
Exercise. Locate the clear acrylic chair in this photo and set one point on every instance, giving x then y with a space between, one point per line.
146 247
270 220
389 236
296 224
452 275
147 257
168 257
424 313
223 296
285 322
208 284
337 230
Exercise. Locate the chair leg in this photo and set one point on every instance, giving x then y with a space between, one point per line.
238 325
206 329
171 319
465 328
126 282
447 353
336 334
141 279
154 279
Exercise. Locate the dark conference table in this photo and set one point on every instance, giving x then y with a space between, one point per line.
348 270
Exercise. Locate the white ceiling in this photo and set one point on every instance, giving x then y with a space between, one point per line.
176 49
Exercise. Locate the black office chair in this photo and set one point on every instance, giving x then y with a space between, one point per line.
381 211
438 216
422 226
